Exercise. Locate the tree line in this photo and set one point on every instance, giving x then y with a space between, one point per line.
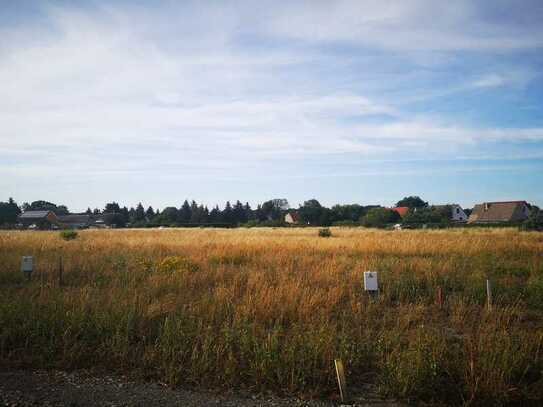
269 213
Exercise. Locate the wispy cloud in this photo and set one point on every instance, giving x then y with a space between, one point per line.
208 88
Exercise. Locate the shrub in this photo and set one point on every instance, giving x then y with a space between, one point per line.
325 232
68 234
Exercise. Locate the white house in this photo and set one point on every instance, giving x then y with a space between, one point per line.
457 214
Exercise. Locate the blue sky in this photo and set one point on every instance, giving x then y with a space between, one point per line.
346 101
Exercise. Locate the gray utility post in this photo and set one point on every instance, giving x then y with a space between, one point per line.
27 266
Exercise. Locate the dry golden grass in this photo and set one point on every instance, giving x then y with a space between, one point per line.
271 308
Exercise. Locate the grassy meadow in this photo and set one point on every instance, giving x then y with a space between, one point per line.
270 309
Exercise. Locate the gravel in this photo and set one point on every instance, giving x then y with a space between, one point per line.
83 388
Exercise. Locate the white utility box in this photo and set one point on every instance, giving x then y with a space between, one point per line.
370 281
27 264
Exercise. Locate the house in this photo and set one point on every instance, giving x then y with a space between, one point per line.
38 220
77 221
500 212
292 218
456 214
400 210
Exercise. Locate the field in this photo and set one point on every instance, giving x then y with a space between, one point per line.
270 309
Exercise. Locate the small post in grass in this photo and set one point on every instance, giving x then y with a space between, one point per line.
60 267
342 383
371 284
27 266
439 297
488 295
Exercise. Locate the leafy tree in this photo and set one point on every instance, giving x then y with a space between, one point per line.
312 212
347 212
46 206
412 202
379 217
112 207
535 220
88 211
273 210
426 215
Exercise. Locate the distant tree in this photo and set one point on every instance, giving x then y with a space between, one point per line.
273 209
150 213
379 217
427 215
228 213
112 207
215 215
9 211
347 212
140 213
311 212
412 202
168 216
185 212
115 219
240 216
535 219
46 206
88 211
96 211
125 214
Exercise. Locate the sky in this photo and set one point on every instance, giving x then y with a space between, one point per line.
342 101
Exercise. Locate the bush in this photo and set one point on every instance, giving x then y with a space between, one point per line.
325 232
68 234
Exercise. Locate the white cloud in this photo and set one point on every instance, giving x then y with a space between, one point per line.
131 91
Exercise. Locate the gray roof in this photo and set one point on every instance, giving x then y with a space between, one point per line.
34 214
77 218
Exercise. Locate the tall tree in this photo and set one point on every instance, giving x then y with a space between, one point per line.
140 213
412 202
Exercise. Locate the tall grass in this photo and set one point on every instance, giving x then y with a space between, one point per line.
269 309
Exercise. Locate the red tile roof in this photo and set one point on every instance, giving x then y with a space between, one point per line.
401 210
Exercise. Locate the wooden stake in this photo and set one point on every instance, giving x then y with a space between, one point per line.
342 383
439 297
60 271
488 295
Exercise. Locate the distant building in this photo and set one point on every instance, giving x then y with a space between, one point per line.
498 212
292 218
38 220
457 213
400 210
82 221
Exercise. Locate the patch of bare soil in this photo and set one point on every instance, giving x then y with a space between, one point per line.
82 388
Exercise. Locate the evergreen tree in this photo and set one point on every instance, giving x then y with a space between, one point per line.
150 213
228 213
185 212
140 213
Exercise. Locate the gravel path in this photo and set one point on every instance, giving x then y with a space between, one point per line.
81 388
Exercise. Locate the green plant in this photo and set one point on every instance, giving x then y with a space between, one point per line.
68 234
325 232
